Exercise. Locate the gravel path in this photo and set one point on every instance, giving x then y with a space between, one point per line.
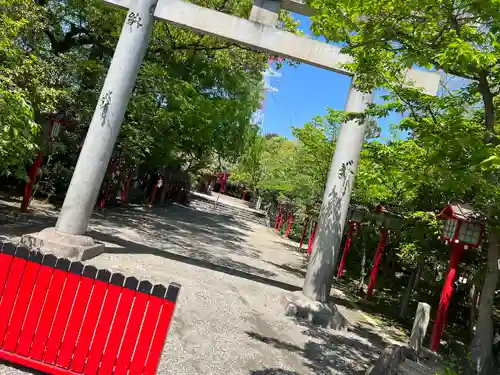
229 318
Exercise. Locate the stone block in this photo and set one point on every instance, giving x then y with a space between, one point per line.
322 314
72 247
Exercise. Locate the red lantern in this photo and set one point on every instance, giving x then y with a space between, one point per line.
463 227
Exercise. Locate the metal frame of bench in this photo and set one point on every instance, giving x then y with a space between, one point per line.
63 317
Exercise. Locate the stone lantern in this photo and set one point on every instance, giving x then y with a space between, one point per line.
463 229
355 215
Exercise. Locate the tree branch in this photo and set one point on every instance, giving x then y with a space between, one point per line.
76 36
489 108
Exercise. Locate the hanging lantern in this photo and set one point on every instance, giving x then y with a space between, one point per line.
462 225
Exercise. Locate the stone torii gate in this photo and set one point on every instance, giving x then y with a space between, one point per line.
258 32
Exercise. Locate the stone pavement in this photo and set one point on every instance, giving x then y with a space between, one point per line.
229 319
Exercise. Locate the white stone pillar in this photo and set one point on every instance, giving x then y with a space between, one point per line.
68 238
108 116
336 200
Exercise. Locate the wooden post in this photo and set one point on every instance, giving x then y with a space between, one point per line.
278 229
127 187
311 239
352 226
158 184
108 185
33 172
377 259
277 217
444 301
32 179
304 232
290 222
420 326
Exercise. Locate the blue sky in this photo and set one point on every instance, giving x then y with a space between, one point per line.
305 91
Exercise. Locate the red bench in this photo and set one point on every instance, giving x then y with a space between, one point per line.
63 317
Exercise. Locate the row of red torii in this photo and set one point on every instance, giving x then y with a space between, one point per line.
463 229
116 166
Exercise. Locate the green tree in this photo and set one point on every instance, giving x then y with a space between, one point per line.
459 38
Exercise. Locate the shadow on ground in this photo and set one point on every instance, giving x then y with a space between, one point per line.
292 268
202 259
329 352
181 234
186 227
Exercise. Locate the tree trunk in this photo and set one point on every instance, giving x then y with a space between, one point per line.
474 297
481 347
407 294
361 282
418 276
164 187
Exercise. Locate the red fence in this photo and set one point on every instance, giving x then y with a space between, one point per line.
62 317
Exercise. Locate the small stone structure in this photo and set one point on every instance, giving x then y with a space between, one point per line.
413 359
402 360
317 313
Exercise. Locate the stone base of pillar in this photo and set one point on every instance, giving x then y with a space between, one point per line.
317 313
63 245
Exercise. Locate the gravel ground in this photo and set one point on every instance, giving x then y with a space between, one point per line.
229 317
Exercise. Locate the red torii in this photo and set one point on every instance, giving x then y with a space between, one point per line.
53 131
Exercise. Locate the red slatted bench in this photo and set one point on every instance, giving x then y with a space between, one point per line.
63 317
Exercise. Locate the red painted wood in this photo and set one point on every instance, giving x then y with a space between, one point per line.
290 222
21 305
5 262
34 311
103 327
280 222
127 187
75 321
89 325
304 232
158 341
311 239
111 169
32 179
117 331
54 294
131 333
153 195
60 322
10 293
61 318
276 218
376 262
444 302
347 247
146 335
31 363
